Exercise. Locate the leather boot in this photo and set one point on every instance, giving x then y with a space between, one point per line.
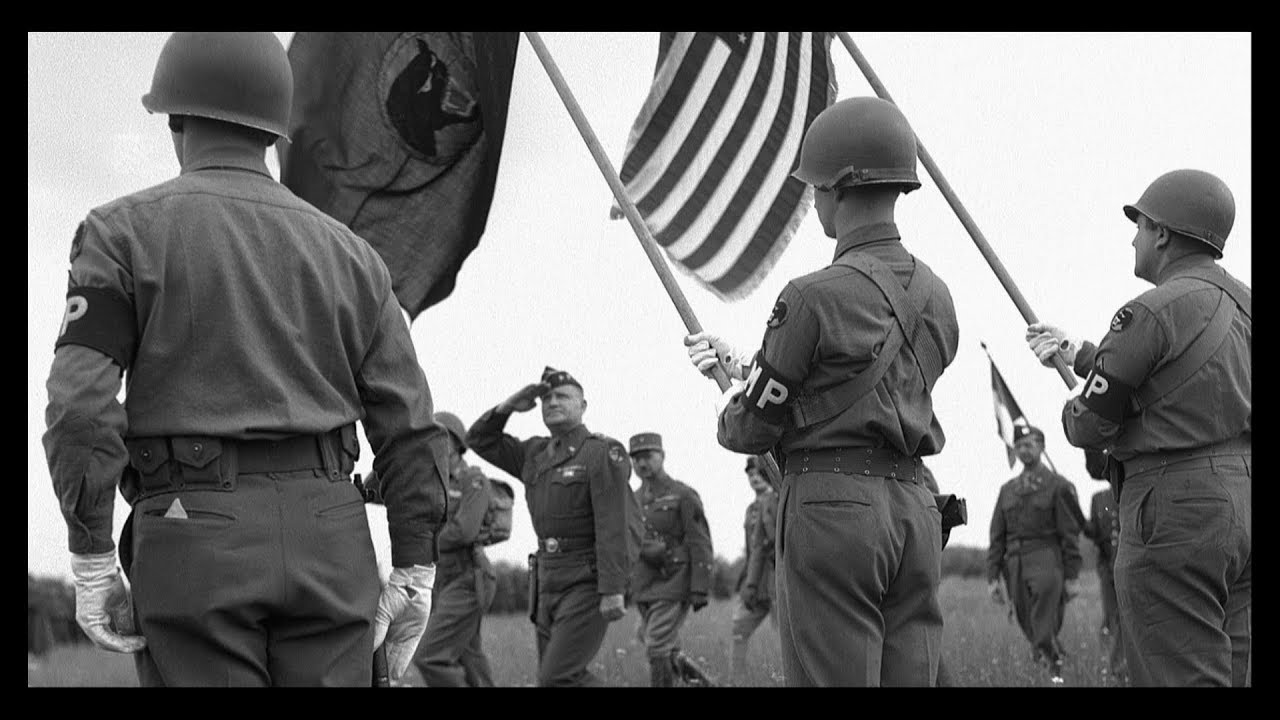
660 674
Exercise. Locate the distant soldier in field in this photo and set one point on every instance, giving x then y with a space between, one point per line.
1034 553
584 514
755 583
674 574
1103 529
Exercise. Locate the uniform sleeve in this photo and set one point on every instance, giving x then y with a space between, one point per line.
995 551
1128 353
410 450
608 472
755 419
497 448
85 424
463 528
748 531
697 537
1068 517
762 538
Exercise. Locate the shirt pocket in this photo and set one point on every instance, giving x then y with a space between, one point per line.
568 495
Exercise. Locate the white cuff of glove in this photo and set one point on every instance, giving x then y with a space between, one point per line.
403 610
104 609
735 389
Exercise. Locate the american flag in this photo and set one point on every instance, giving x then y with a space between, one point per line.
709 160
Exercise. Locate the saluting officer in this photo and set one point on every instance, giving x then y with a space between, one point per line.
451 654
755 583
841 387
575 484
1033 560
256 331
1168 394
676 567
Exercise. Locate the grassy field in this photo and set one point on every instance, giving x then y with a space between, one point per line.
980 646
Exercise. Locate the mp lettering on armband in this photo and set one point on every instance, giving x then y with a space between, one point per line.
1105 395
100 319
767 392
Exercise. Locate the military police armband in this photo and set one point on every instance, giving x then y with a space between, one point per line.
100 319
768 394
1106 395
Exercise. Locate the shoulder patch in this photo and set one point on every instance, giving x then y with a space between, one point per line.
779 314
77 243
617 454
1121 319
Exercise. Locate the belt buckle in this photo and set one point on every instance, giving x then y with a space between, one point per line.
552 545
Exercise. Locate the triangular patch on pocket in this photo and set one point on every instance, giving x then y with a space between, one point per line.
176 510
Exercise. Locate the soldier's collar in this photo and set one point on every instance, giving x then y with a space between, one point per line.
864 235
1183 264
572 438
225 155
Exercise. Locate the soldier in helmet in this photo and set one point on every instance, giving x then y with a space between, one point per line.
1034 557
583 510
1168 395
755 584
841 388
676 558
255 330
450 654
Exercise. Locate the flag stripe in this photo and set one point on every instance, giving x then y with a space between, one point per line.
688 52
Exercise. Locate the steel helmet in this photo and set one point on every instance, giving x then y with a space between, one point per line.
454 425
238 77
1191 202
859 141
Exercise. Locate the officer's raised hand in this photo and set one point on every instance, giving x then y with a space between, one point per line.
705 350
525 399
104 609
612 607
698 600
403 610
1048 340
996 588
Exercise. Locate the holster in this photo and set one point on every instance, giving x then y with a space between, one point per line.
533 588
954 511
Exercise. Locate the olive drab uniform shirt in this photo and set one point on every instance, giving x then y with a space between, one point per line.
762 531
1103 527
1035 510
575 485
827 326
468 491
1213 405
237 311
673 513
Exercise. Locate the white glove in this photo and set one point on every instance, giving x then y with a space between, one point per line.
104 608
1047 340
705 350
402 616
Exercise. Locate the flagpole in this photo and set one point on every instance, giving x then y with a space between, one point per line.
981 241
647 242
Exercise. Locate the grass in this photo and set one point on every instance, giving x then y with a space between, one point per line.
980 646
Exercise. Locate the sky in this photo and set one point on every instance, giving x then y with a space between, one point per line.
1043 136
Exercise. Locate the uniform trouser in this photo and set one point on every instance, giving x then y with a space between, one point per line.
568 622
1184 575
450 653
273 583
857 581
1111 615
1035 582
660 622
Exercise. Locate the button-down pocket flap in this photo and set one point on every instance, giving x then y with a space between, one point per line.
147 454
350 441
196 452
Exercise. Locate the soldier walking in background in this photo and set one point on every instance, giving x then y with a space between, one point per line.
676 559
1169 396
1103 529
583 512
755 583
256 331
1034 557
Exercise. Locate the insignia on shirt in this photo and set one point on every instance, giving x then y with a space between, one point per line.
77 243
616 454
1121 319
454 493
572 470
779 314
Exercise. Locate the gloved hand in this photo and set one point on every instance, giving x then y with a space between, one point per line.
104 609
1071 588
698 601
705 350
748 597
612 607
402 615
998 596
1047 340
525 399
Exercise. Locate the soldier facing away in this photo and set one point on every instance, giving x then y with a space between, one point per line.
575 484
1168 394
841 387
755 583
1034 557
674 572
247 546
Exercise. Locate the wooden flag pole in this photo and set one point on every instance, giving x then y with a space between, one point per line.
985 248
647 242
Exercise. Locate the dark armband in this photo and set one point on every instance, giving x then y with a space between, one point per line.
1105 395
768 393
100 319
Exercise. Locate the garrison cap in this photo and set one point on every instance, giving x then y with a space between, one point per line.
645 441
1021 431
555 378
